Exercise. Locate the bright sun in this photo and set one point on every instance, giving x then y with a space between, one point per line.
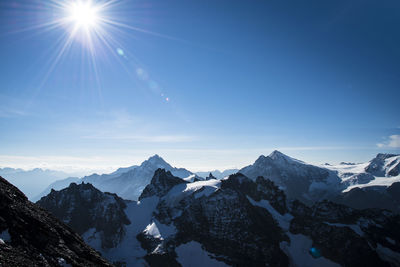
83 14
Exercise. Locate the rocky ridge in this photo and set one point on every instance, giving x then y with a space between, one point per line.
30 236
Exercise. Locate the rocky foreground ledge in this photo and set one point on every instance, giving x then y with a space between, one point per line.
30 236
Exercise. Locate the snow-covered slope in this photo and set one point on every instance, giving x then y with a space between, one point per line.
375 184
383 170
298 179
128 182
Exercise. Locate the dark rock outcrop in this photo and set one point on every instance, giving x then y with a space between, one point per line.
372 197
260 189
347 236
36 238
83 207
160 184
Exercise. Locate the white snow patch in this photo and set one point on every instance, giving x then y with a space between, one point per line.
180 191
190 178
378 181
353 227
152 230
5 236
62 262
165 230
212 184
342 169
192 255
346 172
283 220
298 252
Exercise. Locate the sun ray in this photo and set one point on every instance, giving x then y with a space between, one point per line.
96 27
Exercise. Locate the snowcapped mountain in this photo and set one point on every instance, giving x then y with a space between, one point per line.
359 185
384 165
236 221
31 182
128 182
383 170
30 236
374 184
298 179
217 173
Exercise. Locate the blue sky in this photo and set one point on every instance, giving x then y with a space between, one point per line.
205 84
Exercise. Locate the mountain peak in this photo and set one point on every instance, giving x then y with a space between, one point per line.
277 154
156 162
161 183
155 156
384 156
156 159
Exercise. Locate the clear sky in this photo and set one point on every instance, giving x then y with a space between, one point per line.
205 84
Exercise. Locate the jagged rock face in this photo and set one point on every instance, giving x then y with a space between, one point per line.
83 207
224 222
160 184
299 180
347 236
227 224
261 189
36 238
384 165
210 176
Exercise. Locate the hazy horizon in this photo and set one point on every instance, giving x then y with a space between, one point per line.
77 170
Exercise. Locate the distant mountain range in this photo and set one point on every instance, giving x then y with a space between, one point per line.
127 182
32 182
299 180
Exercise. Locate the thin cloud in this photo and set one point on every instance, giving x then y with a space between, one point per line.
143 139
392 142
10 113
